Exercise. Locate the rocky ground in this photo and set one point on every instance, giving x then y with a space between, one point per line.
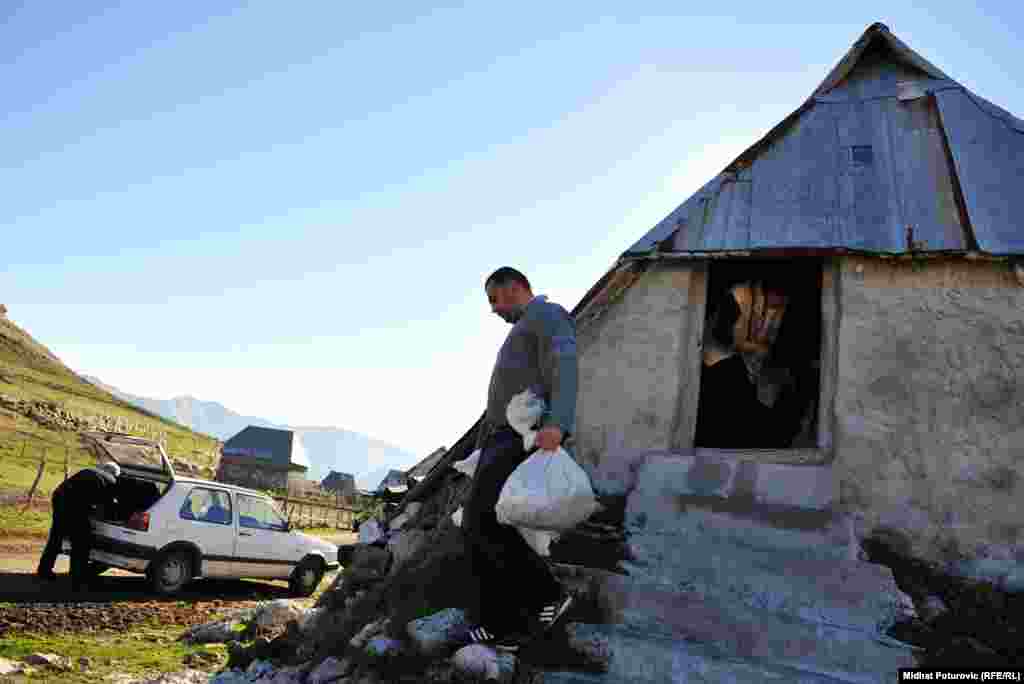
958 623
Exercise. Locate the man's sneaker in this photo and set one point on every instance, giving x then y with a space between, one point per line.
551 613
508 643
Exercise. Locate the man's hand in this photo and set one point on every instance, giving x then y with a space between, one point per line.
549 438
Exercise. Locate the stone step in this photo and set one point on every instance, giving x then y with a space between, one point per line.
643 610
852 594
640 656
755 506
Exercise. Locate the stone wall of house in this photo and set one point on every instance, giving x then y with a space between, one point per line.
930 410
629 380
247 474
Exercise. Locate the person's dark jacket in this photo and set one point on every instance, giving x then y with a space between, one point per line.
88 489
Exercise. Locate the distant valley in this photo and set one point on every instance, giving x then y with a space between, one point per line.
328 448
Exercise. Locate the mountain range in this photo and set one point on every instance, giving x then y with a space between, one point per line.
327 448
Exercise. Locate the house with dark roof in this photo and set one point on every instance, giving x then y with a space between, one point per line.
394 482
263 458
888 208
343 484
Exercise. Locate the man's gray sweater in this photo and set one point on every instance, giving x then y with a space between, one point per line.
539 353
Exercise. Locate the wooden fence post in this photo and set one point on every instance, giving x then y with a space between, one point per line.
39 476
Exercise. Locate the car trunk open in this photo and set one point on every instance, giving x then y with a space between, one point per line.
146 473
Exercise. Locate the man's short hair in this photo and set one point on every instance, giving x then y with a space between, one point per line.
506 275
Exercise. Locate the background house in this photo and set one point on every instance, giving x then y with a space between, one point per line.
264 458
343 484
394 482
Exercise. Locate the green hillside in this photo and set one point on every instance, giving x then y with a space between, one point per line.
43 408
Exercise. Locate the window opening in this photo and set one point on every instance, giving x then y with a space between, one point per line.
760 375
207 505
259 514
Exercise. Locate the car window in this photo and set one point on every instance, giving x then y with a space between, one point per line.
259 514
207 505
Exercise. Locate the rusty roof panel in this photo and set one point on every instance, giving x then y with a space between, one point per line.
728 216
889 156
988 151
795 183
869 209
924 177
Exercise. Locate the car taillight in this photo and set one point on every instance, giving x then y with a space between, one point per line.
139 521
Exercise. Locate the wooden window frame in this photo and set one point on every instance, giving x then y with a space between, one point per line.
692 352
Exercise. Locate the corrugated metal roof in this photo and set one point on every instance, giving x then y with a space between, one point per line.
987 146
888 156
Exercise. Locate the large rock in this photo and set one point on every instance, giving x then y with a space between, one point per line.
307 619
384 647
481 661
276 614
8 667
404 545
183 677
369 631
434 635
48 660
590 644
370 559
330 670
410 512
218 632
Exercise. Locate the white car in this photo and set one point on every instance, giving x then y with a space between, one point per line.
174 529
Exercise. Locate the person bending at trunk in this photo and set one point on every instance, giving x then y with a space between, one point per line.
74 501
517 587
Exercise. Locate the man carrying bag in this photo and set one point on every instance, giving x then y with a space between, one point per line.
539 354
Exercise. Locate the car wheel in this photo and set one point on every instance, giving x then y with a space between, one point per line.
306 577
171 571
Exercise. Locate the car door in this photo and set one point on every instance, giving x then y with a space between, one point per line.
206 518
266 548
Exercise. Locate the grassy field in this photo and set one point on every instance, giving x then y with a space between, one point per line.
140 653
30 372
144 651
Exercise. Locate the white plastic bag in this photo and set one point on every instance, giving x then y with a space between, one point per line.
539 540
549 490
467 466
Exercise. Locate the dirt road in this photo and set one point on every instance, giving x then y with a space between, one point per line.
118 600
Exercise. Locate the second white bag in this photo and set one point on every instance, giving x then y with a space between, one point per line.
548 491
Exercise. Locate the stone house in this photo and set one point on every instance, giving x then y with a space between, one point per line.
891 205
264 458
343 484
892 202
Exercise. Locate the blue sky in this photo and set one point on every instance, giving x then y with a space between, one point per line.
289 208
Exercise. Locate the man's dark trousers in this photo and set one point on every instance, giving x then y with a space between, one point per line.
515 582
70 521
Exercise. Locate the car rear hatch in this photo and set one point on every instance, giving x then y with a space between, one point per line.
136 456
146 475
